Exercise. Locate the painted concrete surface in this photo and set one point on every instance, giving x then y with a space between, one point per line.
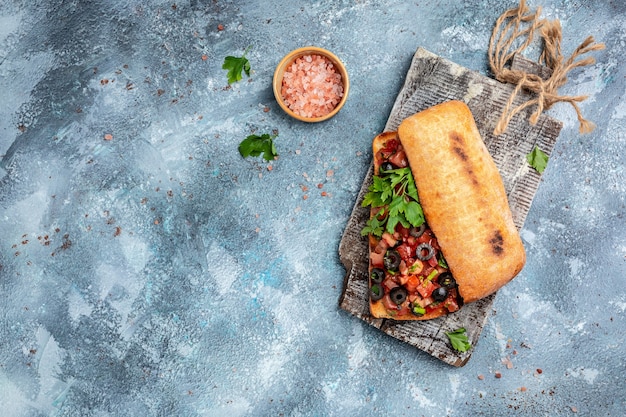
147 269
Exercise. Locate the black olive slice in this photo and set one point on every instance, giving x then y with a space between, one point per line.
398 295
424 252
376 292
417 231
392 259
440 294
386 166
377 275
446 280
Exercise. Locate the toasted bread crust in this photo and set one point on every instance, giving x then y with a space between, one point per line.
463 198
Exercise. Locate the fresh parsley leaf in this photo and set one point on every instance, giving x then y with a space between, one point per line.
395 191
255 145
459 340
235 66
442 261
537 159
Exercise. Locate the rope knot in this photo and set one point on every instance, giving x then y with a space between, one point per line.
519 24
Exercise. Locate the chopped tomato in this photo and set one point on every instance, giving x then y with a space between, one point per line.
389 239
411 283
451 304
390 146
403 309
381 247
389 305
432 261
402 231
405 251
399 159
390 284
426 288
403 269
377 258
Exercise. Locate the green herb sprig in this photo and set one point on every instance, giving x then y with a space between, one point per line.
537 159
459 340
395 193
236 65
255 145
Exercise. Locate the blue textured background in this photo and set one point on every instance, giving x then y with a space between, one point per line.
159 273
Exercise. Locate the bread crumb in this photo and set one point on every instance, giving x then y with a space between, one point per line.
574 409
108 136
481 377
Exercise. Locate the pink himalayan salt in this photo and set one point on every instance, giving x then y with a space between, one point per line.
311 86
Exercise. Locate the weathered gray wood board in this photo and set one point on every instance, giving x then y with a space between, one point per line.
432 80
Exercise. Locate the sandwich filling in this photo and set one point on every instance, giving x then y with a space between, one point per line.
408 272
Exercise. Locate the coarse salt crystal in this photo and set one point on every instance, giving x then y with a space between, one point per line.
311 87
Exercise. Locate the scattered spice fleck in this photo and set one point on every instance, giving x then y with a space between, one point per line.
320 185
304 197
269 168
481 377
304 188
118 231
266 109
330 173
220 27
539 371
205 57
498 375
108 136
574 409
324 194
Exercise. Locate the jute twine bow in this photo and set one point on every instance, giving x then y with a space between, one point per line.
518 23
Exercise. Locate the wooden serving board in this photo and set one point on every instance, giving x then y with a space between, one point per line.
430 81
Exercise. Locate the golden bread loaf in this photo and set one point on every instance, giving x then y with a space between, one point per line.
463 198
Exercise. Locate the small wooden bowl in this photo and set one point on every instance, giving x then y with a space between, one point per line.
288 60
